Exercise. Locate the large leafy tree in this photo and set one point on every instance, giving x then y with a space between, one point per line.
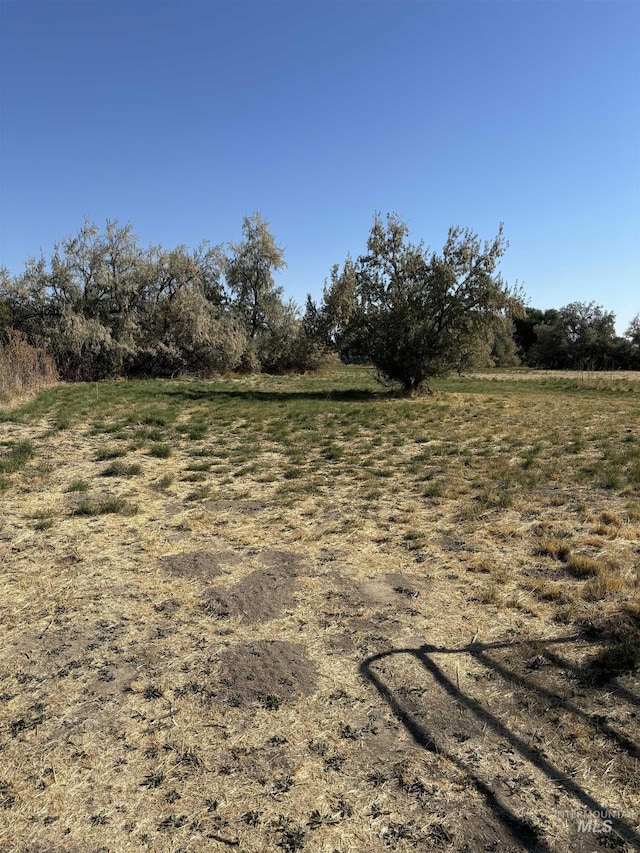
420 314
185 324
629 346
633 331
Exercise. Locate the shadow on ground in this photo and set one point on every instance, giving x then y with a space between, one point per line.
446 719
347 395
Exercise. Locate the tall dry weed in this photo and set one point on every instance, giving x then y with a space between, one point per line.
23 367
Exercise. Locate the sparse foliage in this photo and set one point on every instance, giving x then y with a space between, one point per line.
249 276
278 341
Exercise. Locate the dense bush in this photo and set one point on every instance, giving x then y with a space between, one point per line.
103 307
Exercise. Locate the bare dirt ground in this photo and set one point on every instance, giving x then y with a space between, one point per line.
370 633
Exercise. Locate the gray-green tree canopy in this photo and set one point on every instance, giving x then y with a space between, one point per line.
419 315
104 307
249 275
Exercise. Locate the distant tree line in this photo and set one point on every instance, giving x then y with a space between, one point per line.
102 306
579 336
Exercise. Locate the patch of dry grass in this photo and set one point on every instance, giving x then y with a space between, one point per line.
24 369
337 621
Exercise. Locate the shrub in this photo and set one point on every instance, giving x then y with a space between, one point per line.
160 451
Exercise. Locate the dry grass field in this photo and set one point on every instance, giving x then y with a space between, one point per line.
301 613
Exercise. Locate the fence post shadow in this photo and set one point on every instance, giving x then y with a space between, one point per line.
604 728
520 830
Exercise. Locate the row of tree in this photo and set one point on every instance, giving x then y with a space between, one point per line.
579 336
102 306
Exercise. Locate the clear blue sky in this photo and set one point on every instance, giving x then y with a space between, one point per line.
182 117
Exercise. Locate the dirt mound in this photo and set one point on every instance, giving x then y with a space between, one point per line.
261 595
448 543
286 562
267 671
242 507
203 565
